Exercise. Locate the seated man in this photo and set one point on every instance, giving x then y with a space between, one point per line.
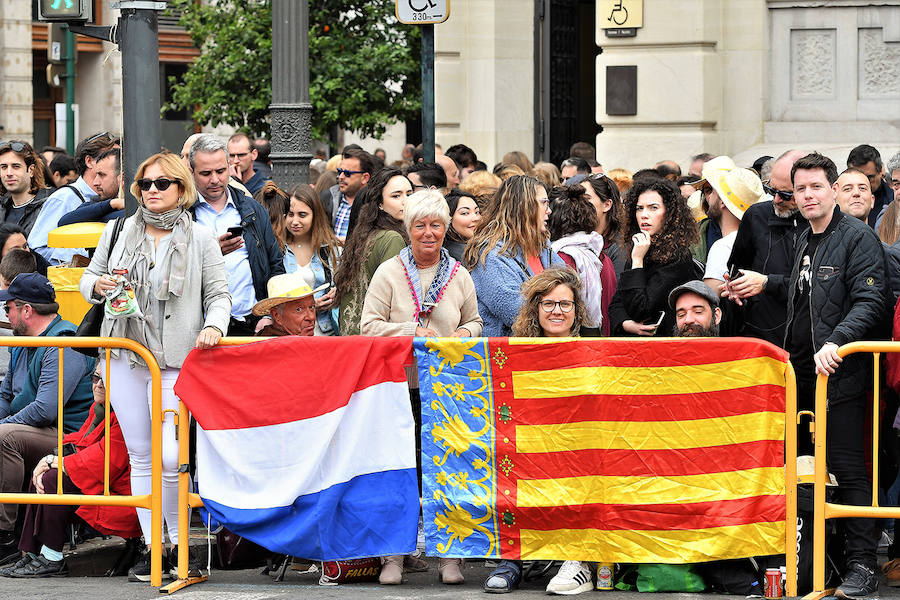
44 530
29 392
290 305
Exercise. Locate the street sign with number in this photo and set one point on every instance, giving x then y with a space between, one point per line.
422 12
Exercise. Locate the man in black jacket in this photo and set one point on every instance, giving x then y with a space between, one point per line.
22 177
838 293
763 252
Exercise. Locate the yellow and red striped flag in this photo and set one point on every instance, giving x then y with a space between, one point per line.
619 450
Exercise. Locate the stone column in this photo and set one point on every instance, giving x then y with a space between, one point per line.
16 115
290 111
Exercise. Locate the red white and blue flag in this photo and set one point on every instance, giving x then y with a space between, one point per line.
312 458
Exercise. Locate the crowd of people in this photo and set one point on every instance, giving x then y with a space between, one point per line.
787 250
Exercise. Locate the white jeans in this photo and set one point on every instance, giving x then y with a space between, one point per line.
130 395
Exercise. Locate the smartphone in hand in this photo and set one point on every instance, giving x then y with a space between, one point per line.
235 231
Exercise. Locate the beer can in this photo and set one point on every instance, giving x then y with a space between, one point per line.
773 584
605 576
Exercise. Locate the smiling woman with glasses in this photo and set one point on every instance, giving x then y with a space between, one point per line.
180 302
551 305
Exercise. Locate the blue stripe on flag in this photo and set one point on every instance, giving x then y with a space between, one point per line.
370 515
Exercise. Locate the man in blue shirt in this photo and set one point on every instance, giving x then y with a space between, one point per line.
30 391
252 256
242 155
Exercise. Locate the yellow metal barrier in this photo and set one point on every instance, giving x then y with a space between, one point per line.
153 501
826 510
188 500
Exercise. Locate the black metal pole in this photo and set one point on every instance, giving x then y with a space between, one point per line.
138 37
290 111
428 93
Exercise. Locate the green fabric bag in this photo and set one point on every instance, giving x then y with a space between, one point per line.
668 578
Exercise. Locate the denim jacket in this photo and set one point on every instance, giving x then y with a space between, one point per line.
324 273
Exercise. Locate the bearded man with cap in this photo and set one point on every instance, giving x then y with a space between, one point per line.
291 306
735 191
697 312
29 392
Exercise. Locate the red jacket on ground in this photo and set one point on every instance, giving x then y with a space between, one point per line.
85 469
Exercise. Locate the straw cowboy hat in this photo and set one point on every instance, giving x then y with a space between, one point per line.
284 288
713 168
739 189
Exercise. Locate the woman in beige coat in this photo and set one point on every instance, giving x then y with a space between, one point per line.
177 274
427 293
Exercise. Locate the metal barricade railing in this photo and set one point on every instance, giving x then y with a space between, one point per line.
188 499
152 501
826 510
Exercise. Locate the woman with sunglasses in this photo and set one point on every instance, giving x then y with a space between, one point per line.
379 235
177 273
660 230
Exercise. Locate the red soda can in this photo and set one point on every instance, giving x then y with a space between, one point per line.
773 583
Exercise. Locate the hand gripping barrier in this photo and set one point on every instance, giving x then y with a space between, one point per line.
827 510
153 501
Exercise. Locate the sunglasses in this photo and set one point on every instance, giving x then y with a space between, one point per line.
785 195
95 378
348 172
14 146
97 137
161 183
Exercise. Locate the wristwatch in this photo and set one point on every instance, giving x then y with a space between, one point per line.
49 460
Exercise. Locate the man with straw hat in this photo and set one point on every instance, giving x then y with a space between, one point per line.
706 201
735 190
291 306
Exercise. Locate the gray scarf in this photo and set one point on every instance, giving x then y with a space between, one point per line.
138 257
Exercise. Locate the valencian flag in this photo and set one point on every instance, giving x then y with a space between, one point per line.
307 445
666 451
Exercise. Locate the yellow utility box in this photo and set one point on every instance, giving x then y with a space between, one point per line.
72 307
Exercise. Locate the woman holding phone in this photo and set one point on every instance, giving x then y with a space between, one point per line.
660 230
312 250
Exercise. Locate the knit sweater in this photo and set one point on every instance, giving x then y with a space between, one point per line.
389 309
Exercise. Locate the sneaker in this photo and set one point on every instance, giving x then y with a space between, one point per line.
141 570
193 563
891 570
573 577
41 566
859 582
23 560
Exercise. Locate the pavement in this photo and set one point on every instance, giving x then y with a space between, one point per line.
252 585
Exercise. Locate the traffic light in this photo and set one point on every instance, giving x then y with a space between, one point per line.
73 11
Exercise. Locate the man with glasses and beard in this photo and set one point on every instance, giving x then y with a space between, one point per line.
763 255
357 166
697 312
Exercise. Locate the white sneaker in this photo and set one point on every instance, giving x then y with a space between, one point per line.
573 577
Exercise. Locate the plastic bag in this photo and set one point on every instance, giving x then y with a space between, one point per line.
120 301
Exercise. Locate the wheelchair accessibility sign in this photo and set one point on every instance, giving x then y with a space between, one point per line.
616 14
422 12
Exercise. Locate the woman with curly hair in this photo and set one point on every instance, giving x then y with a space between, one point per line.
573 236
379 235
660 230
510 246
551 305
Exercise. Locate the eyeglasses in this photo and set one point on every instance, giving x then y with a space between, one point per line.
785 195
14 146
549 306
348 172
161 183
95 378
